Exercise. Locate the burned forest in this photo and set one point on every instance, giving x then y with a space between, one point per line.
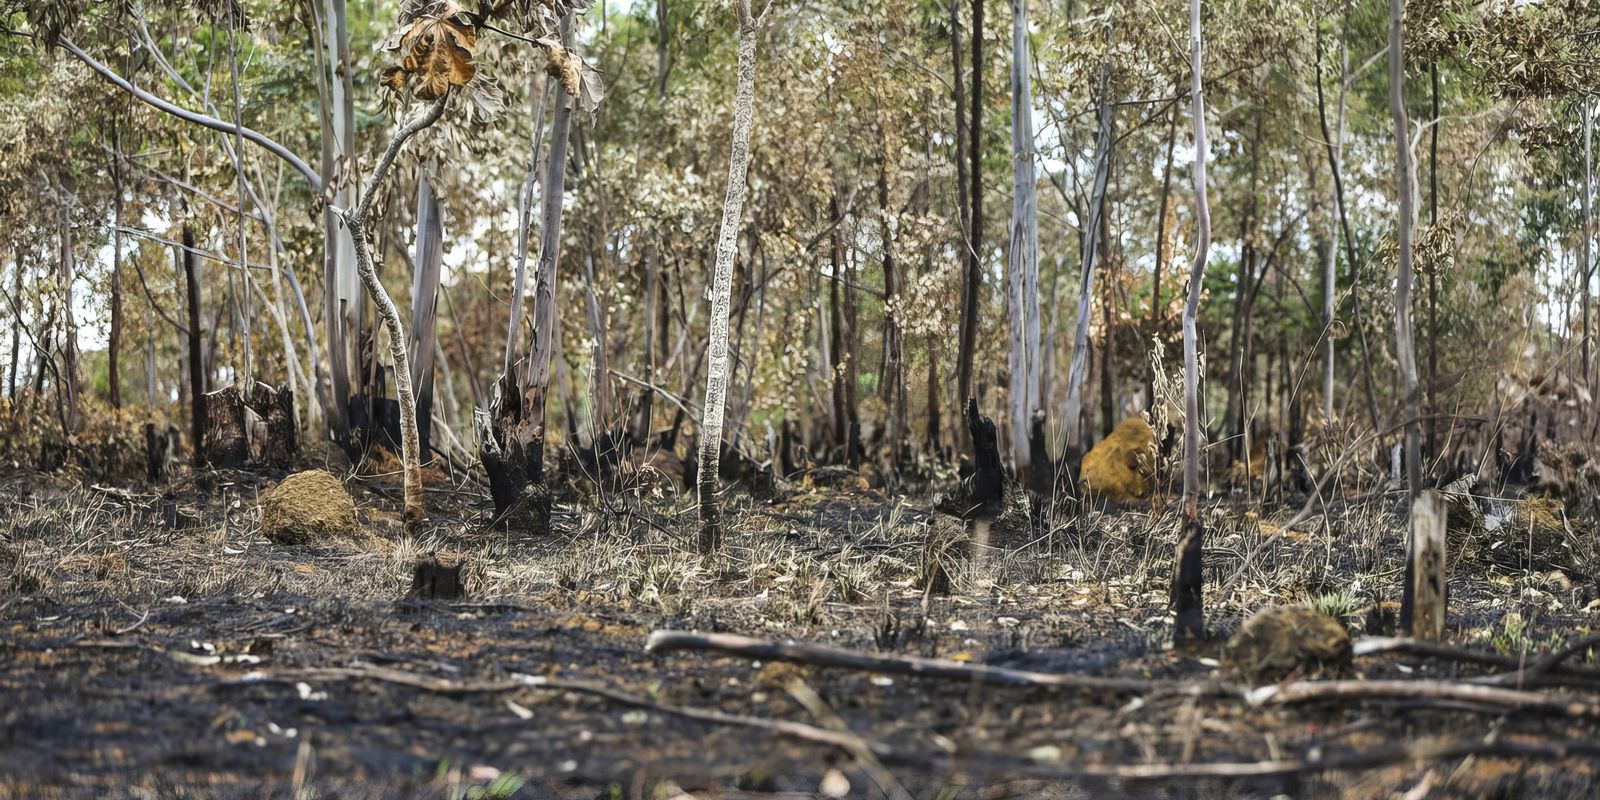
704 399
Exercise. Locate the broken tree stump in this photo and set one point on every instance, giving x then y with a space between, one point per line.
437 576
1423 613
160 452
254 427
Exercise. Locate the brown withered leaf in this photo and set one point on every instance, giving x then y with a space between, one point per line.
436 54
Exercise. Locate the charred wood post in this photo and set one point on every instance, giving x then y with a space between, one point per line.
985 500
252 428
160 452
1422 605
512 452
437 577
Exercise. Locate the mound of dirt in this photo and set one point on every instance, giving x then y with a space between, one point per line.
1282 640
307 507
1118 468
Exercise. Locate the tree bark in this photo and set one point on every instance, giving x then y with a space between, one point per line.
356 221
197 381
1188 577
71 382
1022 262
1078 368
427 262
1406 351
114 343
972 286
722 282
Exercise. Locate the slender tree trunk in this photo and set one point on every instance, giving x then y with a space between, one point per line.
894 382
356 221
197 380
512 433
1433 272
524 222
972 287
1078 368
1188 577
114 344
1405 180
1108 400
339 296
427 263
1335 148
841 424
19 267
722 281
71 381
1589 226
663 53
1157 308
1022 262
1239 351
1405 346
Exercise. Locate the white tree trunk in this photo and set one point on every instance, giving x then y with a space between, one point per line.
1187 582
1078 367
722 281
1405 180
356 221
1022 263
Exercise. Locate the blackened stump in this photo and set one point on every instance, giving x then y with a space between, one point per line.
437 577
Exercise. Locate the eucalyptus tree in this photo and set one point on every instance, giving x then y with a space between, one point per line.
1189 575
717 367
1022 261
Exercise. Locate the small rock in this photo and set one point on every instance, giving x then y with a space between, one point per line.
1282 640
834 784
305 507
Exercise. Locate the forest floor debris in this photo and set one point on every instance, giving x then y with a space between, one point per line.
141 656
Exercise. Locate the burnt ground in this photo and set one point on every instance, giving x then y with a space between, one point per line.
156 646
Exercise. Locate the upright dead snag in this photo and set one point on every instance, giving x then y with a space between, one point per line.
1187 578
722 282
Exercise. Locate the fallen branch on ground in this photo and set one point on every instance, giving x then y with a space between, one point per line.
849 743
663 641
1489 696
1548 670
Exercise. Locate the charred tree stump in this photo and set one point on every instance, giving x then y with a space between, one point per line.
160 452
223 445
1187 582
1041 472
987 495
512 453
437 577
988 478
253 428
1422 606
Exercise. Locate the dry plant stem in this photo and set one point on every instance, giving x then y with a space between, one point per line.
662 641
356 221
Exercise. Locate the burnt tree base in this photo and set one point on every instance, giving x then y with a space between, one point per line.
987 488
437 577
1187 582
254 427
160 452
511 450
